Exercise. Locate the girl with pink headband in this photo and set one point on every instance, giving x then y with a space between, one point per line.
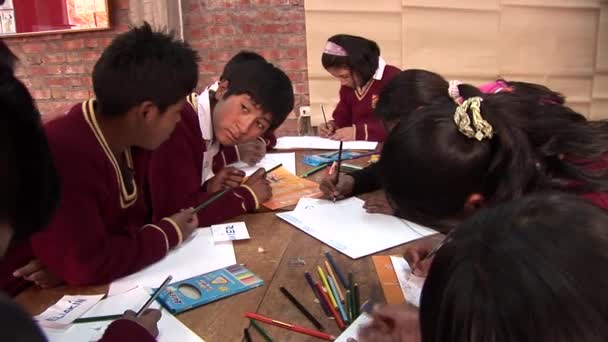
356 63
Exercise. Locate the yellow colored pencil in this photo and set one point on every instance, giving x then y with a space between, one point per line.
324 280
333 276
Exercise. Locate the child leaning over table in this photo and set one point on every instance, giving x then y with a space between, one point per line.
252 98
30 195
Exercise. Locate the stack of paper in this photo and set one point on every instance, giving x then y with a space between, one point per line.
318 143
347 227
200 254
170 329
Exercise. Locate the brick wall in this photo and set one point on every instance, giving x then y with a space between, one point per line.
274 28
57 67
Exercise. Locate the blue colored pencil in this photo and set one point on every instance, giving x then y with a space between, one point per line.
317 294
339 273
332 285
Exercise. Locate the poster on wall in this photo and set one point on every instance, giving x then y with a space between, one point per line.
8 4
8 22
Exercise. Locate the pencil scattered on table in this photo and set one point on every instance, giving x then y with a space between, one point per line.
315 290
337 269
274 168
302 308
261 330
289 326
314 170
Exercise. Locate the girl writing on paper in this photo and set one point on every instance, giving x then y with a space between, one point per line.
516 272
356 63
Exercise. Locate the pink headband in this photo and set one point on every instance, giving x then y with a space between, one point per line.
334 49
454 92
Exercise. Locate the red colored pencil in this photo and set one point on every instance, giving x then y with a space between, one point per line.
335 313
291 327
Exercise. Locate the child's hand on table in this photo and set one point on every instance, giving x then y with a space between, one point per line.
327 130
416 252
260 185
228 177
36 272
339 191
344 134
377 203
148 320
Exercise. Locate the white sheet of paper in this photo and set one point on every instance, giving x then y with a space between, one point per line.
353 330
318 143
61 314
269 161
347 227
230 231
170 328
410 285
200 254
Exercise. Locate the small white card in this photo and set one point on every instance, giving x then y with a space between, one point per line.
66 310
230 231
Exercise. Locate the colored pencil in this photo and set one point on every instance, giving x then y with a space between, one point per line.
333 310
339 273
139 312
261 330
330 273
326 284
357 300
153 296
314 170
246 334
332 286
210 200
274 168
97 319
291 327
349 306
302 308
339 162
324 117
317 294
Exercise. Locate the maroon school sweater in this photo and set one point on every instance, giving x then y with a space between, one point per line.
357 109
101 230
175 176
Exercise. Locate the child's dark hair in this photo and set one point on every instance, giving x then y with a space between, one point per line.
525 271
268 86
144 65
241 57
430 168
30 184
362 56
409 90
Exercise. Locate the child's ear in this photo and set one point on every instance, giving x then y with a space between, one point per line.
473 203
221 89
147 111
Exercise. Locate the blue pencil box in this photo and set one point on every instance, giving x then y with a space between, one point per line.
329 157
206 288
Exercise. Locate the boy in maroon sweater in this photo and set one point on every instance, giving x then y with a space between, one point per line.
30 195
252 98
102 229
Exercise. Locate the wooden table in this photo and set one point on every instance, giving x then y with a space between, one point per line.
223 320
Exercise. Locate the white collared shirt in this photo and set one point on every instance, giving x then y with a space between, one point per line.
206 126
380 71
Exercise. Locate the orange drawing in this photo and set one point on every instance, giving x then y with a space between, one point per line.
287 189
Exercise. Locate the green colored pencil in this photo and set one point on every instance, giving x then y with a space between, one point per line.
210 200
314 170
97 319
261 330
349 304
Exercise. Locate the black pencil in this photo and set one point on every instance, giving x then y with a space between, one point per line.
274 168
210 200
324 117
302 309
339 162
246 335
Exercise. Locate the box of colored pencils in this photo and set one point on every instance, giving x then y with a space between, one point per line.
329 157
209 287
